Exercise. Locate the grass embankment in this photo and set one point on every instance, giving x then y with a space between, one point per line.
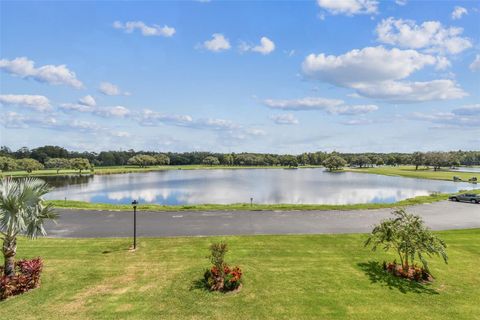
133 169
71 204
421 173
286 277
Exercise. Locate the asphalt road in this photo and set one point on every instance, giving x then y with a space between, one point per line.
102 224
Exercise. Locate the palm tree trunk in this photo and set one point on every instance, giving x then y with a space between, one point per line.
9 251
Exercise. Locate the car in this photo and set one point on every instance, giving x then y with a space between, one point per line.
467 197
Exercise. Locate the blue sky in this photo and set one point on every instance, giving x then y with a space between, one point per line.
283 77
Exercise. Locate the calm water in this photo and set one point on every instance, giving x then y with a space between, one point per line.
313 186
468 169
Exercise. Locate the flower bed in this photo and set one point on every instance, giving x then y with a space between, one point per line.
27 277
414 272
229 280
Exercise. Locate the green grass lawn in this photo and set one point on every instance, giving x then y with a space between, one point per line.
286 277
421 173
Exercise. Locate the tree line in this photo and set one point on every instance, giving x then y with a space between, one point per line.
60 158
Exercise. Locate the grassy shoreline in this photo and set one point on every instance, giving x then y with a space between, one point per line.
134 169
286 277
421 173
71 204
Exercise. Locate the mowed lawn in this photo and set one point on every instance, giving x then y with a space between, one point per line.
286 277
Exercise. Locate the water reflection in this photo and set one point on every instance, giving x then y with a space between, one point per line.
313 186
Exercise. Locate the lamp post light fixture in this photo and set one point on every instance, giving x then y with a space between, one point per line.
134 204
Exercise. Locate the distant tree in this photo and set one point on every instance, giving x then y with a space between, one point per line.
80 164
227 159
407 235
288 160
418 159
334 162
7 164
141 160
57 163
107 158
211 161
162 159
304 159
391 161
377 160
437 160
29 165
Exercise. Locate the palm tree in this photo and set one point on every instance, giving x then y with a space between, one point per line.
22 212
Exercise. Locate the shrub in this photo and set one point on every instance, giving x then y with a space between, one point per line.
27 277
221 277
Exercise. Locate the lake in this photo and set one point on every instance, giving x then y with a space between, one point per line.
295 186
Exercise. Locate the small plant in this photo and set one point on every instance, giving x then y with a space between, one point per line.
221 277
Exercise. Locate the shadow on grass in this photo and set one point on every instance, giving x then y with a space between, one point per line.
199 284
375 272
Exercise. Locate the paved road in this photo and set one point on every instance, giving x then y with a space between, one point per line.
88 224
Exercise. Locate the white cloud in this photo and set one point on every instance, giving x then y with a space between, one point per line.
370 64
448 119
430 36
357 122
36 102
154 30
374 72
308 103
458 12
352 110
217 43
475 65
286 118
25 68
401 2
408 92
75 107
116 111
349 7
110 89
265 47
88 101
152 118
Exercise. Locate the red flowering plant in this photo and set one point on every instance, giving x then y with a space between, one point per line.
26 277
221 277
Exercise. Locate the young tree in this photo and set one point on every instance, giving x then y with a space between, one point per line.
57 163
80 164
418 159
334 162
29 165
22 211
408 236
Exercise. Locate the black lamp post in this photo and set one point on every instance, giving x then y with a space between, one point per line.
134 204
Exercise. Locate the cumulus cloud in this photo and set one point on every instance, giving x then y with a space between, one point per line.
286 118
110 89
349 7
265 47
475 65
431 36
357 122
24 68
145 30
35 102
353 109
370 64
401 2
88 101
458 12
217 43
375 72
152 118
